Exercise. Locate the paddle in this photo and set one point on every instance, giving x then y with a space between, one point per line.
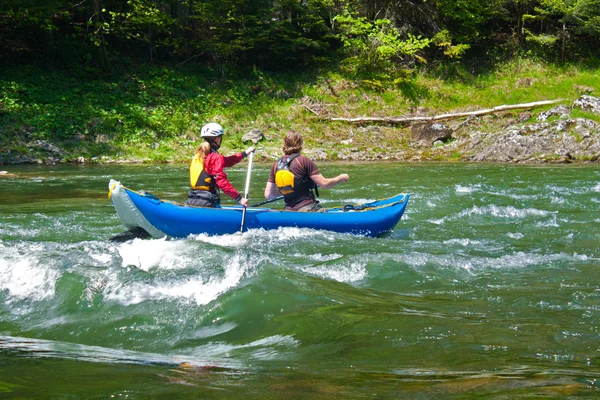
267 201
246 191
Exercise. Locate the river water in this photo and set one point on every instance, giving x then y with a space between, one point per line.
487 288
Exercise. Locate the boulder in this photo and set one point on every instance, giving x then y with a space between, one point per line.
588 103
555 111
561 141
427 134
48 147
255 136
6 174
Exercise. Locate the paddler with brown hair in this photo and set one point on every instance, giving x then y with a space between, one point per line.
296 177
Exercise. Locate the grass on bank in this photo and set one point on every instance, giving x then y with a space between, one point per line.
154 113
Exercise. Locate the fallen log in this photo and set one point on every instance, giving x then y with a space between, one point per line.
442 117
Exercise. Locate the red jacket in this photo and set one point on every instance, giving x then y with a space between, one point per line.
214 164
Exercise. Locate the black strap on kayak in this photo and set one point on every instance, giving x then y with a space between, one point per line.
350 207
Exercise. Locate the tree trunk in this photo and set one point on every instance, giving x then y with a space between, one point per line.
100 32
412 120
564 40
150 44
519 23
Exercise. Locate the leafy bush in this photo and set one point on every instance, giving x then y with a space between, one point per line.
376 49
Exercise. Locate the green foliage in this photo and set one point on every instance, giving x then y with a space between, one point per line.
562 20
443 40
155 113
154 109
586 16
270 34
377 50
81 73
470 20
293 34
138 21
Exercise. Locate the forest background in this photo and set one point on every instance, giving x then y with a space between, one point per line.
134 80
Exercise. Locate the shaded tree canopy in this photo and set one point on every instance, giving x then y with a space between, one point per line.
283 34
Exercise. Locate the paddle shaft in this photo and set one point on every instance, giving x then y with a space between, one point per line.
246 191
267 201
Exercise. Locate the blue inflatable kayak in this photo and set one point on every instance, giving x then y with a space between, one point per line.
164 218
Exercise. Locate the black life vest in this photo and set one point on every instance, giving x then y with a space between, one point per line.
289 185
199 178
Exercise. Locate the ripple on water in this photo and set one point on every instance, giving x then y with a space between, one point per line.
214 355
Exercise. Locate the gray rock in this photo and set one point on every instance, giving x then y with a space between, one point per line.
316 154
524 117
568 140
588 103
255 136
49 147
427 134
556 111
583 89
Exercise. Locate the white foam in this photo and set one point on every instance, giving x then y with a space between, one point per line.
518 260
462 242
230 240
103 258
197 289
552 222
340 272
280 235
465 189
263 348
438 221
505 212
287 234
7 229
352 201
24 276
268 348
154 253
516 196
275 340
321 257
516 235
508 212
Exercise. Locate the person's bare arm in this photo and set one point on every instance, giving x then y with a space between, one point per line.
328 183
271 191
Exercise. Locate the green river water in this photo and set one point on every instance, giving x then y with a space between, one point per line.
487 288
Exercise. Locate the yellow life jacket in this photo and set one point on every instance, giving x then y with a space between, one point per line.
199 178
288 184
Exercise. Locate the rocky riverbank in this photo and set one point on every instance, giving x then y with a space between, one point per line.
553 136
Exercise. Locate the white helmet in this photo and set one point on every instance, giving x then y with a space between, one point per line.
211 129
